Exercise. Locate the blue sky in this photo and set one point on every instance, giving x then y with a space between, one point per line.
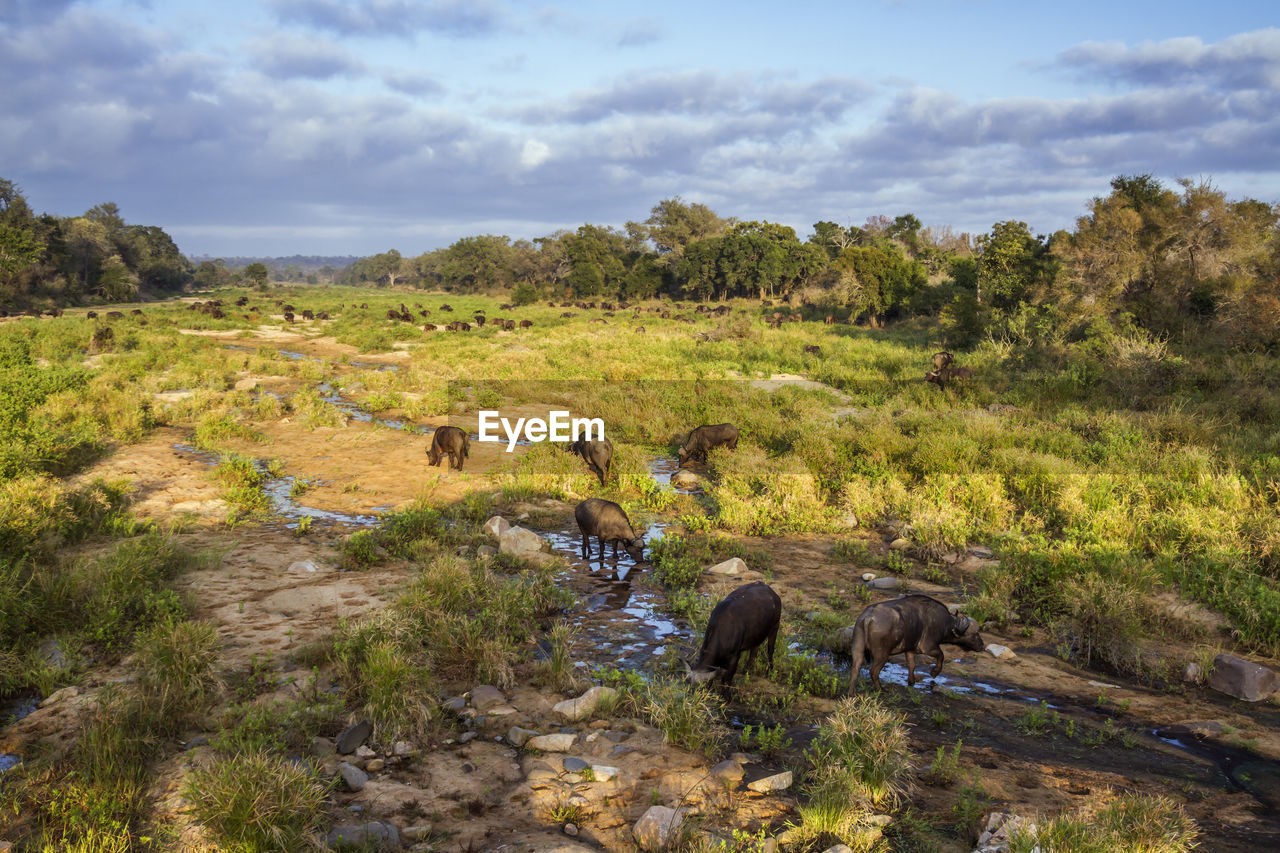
340 127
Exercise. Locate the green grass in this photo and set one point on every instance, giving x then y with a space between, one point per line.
1133 822
255 803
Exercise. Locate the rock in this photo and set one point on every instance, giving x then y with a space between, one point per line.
728 772
322 747
605 772
900 544
353 777
517 736
1193 674
950 557
62 695
868 577
362 836
849 520
51 653
1000 652
414 834
885 583
522 543
1243 679
195 742
364 753
880 820
657 828
731 566
571 830
485 697
467 737
776 782
551 743
586 704
685 479
843 640
1000 828
574 765
404 749
353 736
502 711
839 848
981 552
454 704
497 526
463 551
374 765
486 552
302 566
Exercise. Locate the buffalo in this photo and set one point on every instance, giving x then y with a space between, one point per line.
943 375
942 359
608 522
598 454
813 349
914 624
740 623
705 438
450 441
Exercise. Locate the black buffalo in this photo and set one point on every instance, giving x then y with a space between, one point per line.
740 623
705 438
914 624
450 441
607 521
598 453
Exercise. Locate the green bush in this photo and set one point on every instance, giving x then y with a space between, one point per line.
255 803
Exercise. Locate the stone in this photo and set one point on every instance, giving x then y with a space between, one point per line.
868 577
362 836
52 653
657 828
520 542
502 711
302 566
571 830
454 704
849 520
776 782
839 848
322 747
728 772
731 566
404 749
195 742
517 736
605 772
467 737
586 704
364 753
497 526
551 743
885 583
981 552
900 544
1000 828
685 479
485 697
62 695
413 834
1193 674
352 777
1243 679
574 765
353 736
881 820
486 552
374 765
1000 652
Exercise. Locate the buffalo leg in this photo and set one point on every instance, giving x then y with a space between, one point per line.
586 546
768 662
937 655
876 666
731 670
911 668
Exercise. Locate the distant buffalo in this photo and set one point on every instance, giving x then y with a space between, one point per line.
706 438
450 441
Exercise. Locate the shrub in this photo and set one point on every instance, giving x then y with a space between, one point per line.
256 803
861 755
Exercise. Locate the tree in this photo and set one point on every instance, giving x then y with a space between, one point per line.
673 224
256 273
832 238
1011 263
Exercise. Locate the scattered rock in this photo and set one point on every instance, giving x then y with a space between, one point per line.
839 848
364 753
362 836
868 577
485 697
1000 828
728 772
467 737
302 566
1193 674
685 479
353 777
900 544
322 747
731 566
353 736
62 695
849 520
1243 679
571 830
605 772
551 743
374 765
657 828
404 749
517 736
885 583
982 552
586 704
486 552
454 704
522 543
574 765
497 526
776 782
414 834
1000 652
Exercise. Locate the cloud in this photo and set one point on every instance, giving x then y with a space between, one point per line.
394 17
285 56
1246 60
23 13
414 83
639 32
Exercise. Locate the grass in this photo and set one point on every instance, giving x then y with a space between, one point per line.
255 803
1142 824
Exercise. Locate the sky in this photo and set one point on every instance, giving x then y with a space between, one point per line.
351 127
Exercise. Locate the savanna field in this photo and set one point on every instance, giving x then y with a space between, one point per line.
223 549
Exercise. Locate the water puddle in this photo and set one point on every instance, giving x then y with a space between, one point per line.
300 356
1242 770
621 620
12 711
353 410
663 468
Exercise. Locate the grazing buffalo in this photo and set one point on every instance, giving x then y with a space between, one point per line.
607 521
705 438
813 349
914 624
446 307
307 314
92 315
943 375
740 623
942 359
598 453
526 324
451 441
